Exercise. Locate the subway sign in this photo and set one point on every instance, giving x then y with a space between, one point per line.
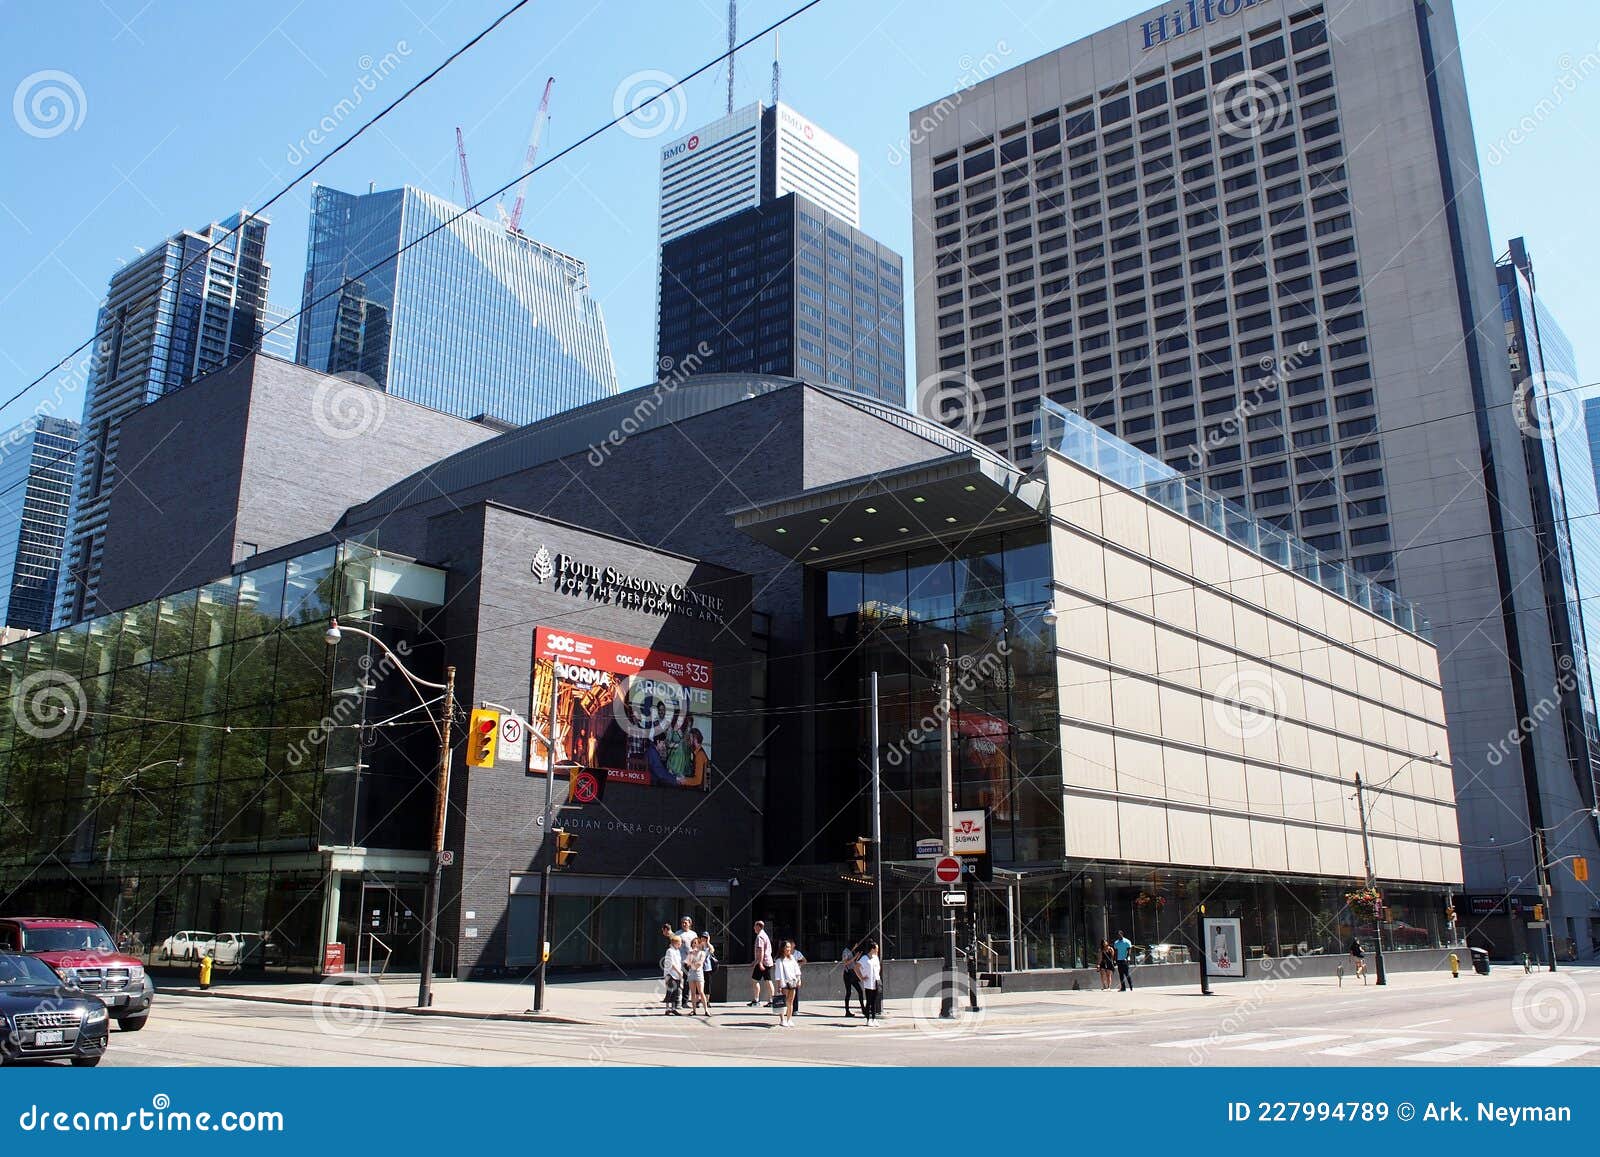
1187 17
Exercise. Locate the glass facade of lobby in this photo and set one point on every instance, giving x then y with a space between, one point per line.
183 764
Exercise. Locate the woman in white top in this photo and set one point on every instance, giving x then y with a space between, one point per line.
869 968
786 971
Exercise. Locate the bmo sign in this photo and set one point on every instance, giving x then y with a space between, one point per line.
971 833
681 148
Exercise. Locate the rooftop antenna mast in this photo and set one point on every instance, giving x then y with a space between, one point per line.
777 45
540 119
733 39
466 178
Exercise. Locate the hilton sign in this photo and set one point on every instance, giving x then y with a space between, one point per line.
570 576
1191 15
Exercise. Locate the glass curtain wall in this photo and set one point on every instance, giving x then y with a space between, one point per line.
983 597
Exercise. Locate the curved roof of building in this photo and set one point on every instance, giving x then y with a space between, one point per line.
600 427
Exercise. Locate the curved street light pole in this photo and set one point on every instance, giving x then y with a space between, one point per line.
430 927
1366 854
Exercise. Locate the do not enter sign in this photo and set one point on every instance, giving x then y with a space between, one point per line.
948 870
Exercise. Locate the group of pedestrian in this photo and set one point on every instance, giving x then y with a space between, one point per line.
1116 956
778 975
685 964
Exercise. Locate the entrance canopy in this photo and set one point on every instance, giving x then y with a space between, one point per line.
945 497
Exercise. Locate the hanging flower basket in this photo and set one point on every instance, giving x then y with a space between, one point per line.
1367 902
1146 900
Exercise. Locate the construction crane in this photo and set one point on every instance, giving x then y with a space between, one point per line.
514 220
466 178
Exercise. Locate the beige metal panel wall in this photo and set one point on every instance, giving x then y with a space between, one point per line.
1215 707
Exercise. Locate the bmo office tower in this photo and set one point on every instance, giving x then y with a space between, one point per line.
764 267
1248 237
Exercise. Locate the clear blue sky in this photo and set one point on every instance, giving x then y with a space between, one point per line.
192 109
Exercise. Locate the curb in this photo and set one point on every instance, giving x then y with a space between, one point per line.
461 1014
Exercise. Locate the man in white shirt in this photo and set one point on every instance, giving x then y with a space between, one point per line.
869 970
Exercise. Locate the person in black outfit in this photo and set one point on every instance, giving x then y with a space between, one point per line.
852 982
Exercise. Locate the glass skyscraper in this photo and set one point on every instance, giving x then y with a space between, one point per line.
472 319
191 305
1550 406
37 461
785 288
764 267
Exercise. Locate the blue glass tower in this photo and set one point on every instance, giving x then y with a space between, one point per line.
37 462
472 319
1551 406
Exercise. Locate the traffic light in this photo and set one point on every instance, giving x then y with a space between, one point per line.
566 848
858 855
1538 913
1580 869
483 737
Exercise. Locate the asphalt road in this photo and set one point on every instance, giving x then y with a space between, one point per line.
1505 1019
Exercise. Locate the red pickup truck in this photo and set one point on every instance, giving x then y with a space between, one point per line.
82 954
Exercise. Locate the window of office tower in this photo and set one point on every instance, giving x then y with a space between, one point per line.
985 598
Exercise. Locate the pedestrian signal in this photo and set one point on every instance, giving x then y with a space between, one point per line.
858 856
483 735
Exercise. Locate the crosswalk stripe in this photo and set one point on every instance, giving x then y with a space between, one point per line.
1219 1040
1553 1055
1361 1048
1268 1046
1466 1050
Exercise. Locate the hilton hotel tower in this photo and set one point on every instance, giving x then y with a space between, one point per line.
1249 237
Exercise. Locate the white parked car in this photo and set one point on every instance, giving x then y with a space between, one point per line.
188 945
236 947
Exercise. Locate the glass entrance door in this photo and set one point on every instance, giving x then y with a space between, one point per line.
389 934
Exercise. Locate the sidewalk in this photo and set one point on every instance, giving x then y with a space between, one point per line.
608 1002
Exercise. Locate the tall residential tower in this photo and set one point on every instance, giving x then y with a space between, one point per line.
190 305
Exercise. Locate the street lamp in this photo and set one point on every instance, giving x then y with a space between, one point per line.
430 928
1366 854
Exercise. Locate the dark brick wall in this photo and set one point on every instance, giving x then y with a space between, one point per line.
639 831
264 452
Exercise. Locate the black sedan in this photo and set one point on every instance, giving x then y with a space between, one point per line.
42 1019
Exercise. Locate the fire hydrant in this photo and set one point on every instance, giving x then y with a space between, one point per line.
206 964
1455 966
